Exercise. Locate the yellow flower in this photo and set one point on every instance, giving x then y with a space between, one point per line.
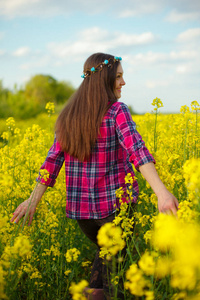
157 103
6 180
129 179
162 267
35 275
191 171
186 212
47 252
5 135
179 296
184 109
109 237
115 280
148 236
182 240
10 122
72 254
44 174
55 251
184 278
195 105
149 295
67 272
117 220
22 246
164 233
147 264
86 263
136 282
17 131
77 290
119 193
2 284
50 107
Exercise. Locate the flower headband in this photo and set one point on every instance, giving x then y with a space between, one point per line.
99 67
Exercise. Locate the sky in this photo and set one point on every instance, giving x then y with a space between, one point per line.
158 40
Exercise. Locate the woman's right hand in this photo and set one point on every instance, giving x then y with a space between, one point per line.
26 208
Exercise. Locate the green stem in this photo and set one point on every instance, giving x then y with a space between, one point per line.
196 155
185 142
155 133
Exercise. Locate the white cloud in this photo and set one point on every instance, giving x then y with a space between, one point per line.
13 4
96 40
139 7
180 10
133 39
189 35
158 58
152 84
184 55
93 33
179 61
2 52
22 51
157 66
12 8
75 50
147 58
182 69
38 62
87 41
178 16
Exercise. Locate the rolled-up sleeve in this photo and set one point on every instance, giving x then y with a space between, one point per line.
52 164
130 139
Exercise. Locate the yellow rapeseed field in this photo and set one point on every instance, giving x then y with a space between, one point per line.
51 259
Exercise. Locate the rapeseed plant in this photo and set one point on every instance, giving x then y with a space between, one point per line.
162 252
2 283
50 107
72 254
109 238
136 281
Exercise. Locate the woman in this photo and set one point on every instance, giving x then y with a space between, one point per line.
97 139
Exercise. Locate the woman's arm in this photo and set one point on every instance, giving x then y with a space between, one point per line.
52 164
167 203
30 204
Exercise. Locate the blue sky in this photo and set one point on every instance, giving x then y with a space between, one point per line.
159 42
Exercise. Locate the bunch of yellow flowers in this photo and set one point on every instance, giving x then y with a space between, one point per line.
109 238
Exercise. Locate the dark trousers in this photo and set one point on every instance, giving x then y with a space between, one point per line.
100 270
90 228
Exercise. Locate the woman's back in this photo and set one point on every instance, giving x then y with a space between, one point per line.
91 184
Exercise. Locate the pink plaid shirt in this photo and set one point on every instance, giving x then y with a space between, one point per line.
91 185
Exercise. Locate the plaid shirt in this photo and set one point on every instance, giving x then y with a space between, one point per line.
91 185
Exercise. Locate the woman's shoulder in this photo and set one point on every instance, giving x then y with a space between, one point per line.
116 107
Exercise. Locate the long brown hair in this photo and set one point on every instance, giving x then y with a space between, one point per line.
78 124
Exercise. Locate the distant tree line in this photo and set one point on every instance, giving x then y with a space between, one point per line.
31 100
